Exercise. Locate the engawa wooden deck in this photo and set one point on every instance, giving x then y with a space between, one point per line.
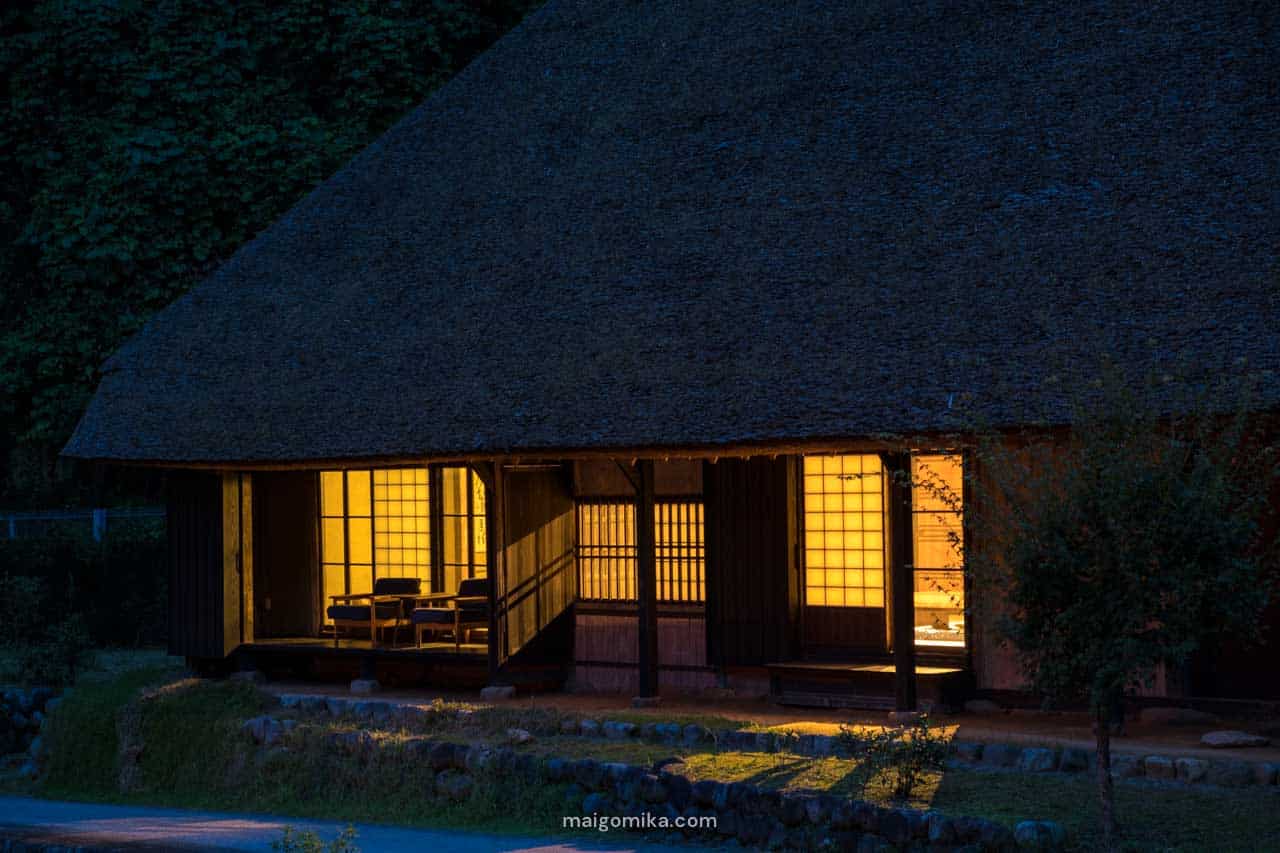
832 684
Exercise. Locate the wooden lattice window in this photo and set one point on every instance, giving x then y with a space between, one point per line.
607 551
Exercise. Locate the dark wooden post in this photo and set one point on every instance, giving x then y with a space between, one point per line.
490 474
646 581
902 583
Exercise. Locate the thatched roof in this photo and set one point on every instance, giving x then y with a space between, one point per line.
710 222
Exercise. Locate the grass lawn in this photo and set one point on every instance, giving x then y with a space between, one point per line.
196 757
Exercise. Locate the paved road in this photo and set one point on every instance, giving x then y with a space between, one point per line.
141 827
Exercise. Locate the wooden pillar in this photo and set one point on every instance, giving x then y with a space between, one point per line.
902 583
490 474
646 580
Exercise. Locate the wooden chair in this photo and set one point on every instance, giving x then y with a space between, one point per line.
458 613
388 606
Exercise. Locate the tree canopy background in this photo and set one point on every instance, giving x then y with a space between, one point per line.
142 142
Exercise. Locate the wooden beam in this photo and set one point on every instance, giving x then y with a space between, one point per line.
495 540
647 581
902 583
629 472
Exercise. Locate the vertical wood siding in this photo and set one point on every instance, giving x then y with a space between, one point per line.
286 573
753 596
605 647
539 576
194 516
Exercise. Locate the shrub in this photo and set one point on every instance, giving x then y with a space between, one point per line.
308 842
119 586
39 644
904 754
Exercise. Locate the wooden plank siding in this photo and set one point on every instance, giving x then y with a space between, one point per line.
211 563
753 589
539 574
286 571
605 647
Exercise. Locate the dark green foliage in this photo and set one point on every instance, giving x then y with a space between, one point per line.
117 586
141 143
1129 543
292 841
906 755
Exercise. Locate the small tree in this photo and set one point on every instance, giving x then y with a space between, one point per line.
1124 543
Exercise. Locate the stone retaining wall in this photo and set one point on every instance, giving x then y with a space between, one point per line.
656 798
1001 756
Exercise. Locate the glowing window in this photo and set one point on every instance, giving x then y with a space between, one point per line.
402 523
844 531
607 551
373 524
937 495
463 519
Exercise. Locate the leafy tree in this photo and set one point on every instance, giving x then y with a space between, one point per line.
1124 544
142 142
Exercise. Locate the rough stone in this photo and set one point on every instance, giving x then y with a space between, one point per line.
666 731
518 736
867 817
792 810
704 791
1000 755
818 809
336 706
364 686
942 829
982 706
258 727
1167 716
753 829
588 773
669 761
1075 760
589 728
967 751
1267 773
679 789
497 693
1039 835
454 785
1233 740
441 756
895 827
1158 767
1037 760
1125 766
873 844
652 790
1190 769
478 757
616 730
694 734
1230 774
354 742
595 803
